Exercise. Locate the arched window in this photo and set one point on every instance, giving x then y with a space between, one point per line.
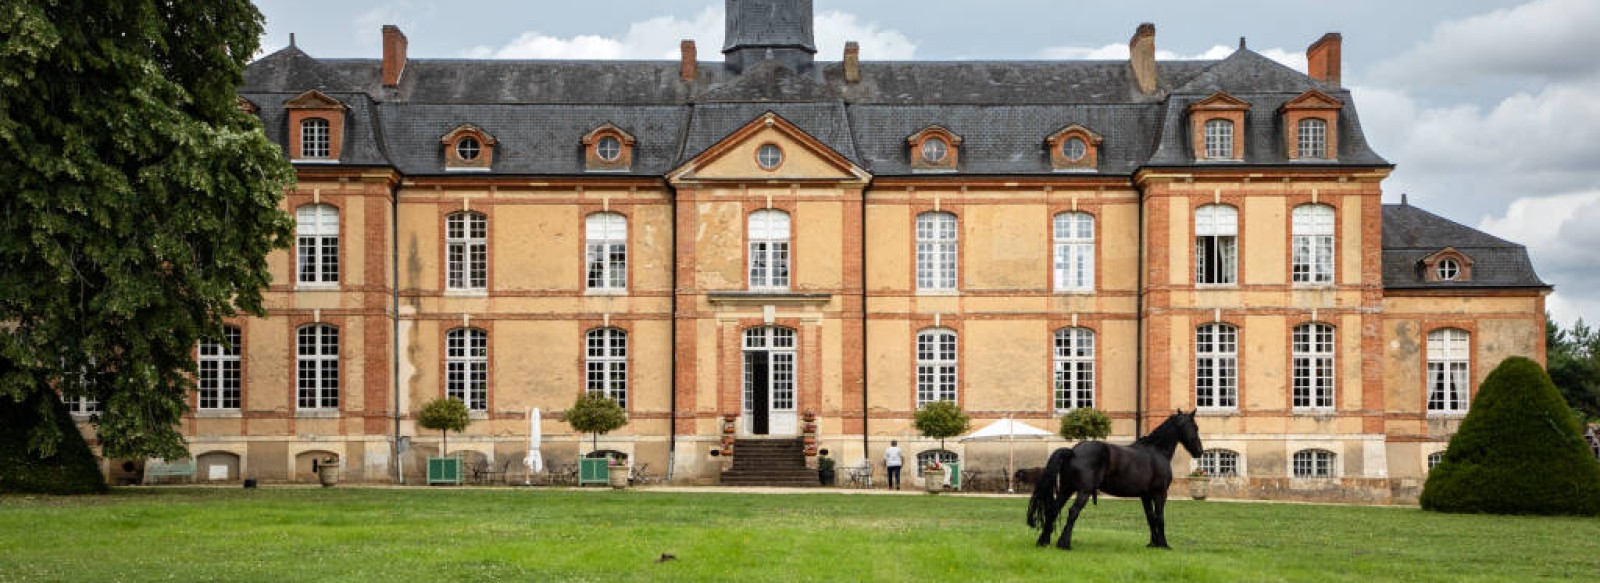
1074 350
467 367
1219 139
1313 463
769 249
1313 244
606 251
1313 134
1216 244
1313 367
317 367
219 382
317 244
1074 242
943 456
1216 367
467 251
1218 463
936 251
1448 366
606 364
936 366
315 139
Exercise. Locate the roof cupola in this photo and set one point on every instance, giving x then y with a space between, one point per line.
769 29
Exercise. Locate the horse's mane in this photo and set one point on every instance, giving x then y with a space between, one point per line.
1165 433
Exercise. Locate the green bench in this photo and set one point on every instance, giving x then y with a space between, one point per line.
166 469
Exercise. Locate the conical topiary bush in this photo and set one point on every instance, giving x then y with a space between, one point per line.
1519 451
71 469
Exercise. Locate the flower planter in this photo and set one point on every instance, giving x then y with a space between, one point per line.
328 474
1199 488
933 480
618 477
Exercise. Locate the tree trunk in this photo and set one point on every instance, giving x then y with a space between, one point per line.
444 448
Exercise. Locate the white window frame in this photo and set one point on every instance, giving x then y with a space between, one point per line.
606 364
1313 229
1312 366
769 231
782 355
81 406
938 362
1074 251
1313 463
606 252
316 138
769 157
1219 137
1216 367
938 238
1433 460
1311 135
945 457
1219 463
1074 369
219 382
317 367
317 245
608 148
1449 371
467 367
934 150
1216 245
468 148
467 251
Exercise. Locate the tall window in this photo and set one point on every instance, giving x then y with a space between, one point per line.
1313 367
1219 139
1448 360
1313 244
1218 463
317 243
606 251
219 379
467 251
769 249
936 366
1216 367
769 365
1074 240
1216 244
936 251
1074 368
314 138
467 367
317 367
606 364
1313 463
1313 140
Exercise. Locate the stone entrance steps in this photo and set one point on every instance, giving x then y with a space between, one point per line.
769 462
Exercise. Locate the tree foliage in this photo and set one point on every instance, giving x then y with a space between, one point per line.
1574 365
1519 451
941 420
597 414
445 415
72 469
1085 423
138 206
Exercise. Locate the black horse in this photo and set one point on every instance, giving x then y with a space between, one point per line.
1143 469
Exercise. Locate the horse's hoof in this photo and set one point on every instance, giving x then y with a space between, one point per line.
1156 546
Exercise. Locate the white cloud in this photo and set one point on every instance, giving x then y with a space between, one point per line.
833 28
1561 237
1119 52
369 24
1550 39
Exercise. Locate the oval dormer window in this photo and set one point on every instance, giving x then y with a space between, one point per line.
609 148
1074 149
1448 270
769 156
934 150
468 148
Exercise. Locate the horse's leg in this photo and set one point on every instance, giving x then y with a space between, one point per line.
1158 526
1150 519
1052 510
1065 542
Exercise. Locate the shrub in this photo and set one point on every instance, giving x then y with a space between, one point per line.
597 414
1519 451
940 420
445 415
1085 423
71 469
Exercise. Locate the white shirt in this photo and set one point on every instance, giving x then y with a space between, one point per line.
891 457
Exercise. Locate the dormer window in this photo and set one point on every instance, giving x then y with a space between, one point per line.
316 125
1309 123
1217 126
1448 265
608 149
1074 148
1447 270
935 149
468 147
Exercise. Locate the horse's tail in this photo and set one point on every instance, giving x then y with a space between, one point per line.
1047 488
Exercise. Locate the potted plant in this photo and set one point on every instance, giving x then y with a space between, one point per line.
1199 484
940 420
444 415
825 469
596 414
933 477
1085 423
328 471
618 473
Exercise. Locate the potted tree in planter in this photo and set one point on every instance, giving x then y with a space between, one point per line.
825 469
1085 423
939 420
597 414
445 415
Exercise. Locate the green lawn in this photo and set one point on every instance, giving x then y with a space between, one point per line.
344 533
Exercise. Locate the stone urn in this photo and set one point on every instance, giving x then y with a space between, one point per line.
933 479
328 473
1199 487
618 477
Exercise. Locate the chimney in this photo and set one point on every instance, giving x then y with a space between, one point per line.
688 67
1322 58
852 62
1142 57
394 55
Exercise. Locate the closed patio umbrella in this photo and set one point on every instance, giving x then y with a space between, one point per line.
535 460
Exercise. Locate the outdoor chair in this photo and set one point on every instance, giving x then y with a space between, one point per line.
861 474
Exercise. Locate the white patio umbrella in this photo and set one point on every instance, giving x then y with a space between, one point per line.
535 460
1009 430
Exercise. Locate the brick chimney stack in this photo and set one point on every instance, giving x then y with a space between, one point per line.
1142 57
688 67
394 55
1322 58
852 62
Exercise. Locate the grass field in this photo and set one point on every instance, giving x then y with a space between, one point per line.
360 534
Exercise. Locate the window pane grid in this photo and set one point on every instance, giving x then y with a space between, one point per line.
936 251
317 243
936 366
219 371
606 251
1218 463
1313 463
1313 138
314 142
467 251
1447 370
1216 366
606 363
1216 250
1219 139
317 367
769 249
1313 228
1312 365
1074 368
467 367
1074 251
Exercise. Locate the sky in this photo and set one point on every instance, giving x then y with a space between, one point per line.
1489 109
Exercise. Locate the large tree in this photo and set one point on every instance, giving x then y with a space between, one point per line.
137 206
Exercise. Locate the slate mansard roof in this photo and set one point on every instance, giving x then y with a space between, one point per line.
1411 235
